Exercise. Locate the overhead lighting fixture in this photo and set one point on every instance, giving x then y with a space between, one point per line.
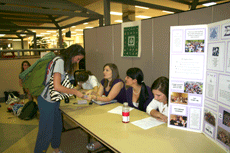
45 33
22 34
142 17
73 26
141 7
79 30
209 4
16 39
51 31
63 29
1 35
85 23
168 12
34 30
39 35
79 34
116 13
88 27
9 39
119 21
73 32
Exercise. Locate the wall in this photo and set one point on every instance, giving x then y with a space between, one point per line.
103 44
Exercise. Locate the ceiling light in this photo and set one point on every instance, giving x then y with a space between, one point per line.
51 31
79 34
73 32
1 35
88 27
142 7
209 4
79 30
45 33
85 23
34 31
9 39
62 29
119 21
73 26
16 39
116 13
142 17
168 12
22 34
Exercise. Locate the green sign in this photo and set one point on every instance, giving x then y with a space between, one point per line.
131 41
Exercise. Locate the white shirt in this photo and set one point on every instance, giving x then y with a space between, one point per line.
154 104
91 83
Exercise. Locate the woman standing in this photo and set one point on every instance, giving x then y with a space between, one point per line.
50 124
160 89
111 86
138 94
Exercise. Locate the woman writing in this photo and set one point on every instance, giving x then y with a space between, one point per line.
112 86
138 94
87 82
160 90
50 124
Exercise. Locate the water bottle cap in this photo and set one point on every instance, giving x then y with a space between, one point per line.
125 103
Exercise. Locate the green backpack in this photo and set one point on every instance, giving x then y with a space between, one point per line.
34 77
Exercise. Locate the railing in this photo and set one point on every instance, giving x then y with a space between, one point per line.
24 53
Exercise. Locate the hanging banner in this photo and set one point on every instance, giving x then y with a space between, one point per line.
131 39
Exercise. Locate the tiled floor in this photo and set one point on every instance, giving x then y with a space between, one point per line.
71 142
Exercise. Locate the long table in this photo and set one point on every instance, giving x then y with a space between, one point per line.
128 138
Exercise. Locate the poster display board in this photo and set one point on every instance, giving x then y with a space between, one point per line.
131 39
199 87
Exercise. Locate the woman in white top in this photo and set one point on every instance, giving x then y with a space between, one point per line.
160 91
86 81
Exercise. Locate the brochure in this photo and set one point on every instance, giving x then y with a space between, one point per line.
104 103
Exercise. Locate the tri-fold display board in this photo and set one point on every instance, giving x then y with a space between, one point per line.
199 89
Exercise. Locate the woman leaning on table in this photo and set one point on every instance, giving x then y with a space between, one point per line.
160 89
50 124
111 86
86 82
138 94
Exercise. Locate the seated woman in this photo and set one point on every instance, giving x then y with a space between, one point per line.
87 82
138 95
160 89
111 86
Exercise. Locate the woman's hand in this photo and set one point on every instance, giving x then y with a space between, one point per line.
78 94
164 118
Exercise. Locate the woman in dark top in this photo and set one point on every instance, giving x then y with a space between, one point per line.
138 94
111 86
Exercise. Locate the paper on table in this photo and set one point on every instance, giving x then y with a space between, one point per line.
147 123
118 110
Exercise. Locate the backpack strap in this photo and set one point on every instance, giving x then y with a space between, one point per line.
51 69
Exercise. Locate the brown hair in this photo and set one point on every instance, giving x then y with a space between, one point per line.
115 74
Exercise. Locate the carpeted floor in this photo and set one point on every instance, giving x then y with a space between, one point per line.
11 133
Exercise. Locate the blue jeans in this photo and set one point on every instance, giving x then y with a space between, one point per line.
50 126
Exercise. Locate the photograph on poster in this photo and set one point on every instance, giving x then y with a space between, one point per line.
193 87
215 51
178 120
196 46
211 85
226 118
223 136
209 117
179 98
214 33
226 31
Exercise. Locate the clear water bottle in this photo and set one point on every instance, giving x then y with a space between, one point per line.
125 113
